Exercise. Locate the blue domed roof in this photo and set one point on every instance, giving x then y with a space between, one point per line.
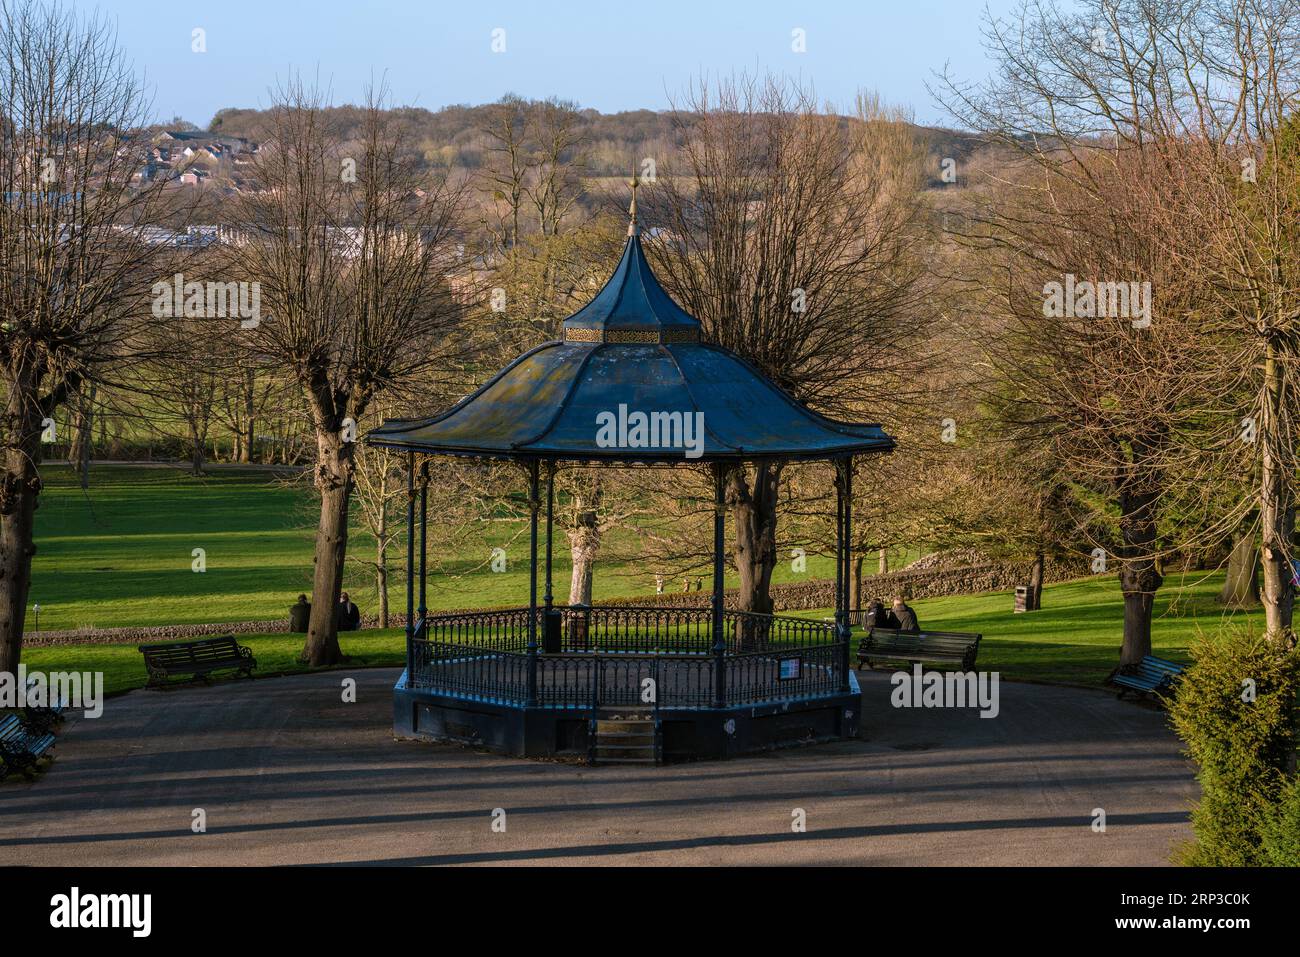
633 300
631 380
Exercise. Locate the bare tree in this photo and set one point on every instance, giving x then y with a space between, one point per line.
244 398
82 407
504 175
557 136
74 273
793 236
354 256
381 493
1188 101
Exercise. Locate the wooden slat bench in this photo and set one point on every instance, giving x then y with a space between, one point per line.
21 746
889 644
197 659
1151 675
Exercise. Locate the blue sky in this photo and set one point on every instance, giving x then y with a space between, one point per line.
610 56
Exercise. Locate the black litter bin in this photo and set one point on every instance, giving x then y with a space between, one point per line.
551 632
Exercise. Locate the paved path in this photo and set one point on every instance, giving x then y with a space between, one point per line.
288 773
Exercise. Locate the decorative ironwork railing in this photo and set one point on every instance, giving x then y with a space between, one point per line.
682 630
469 671
809 671
629 657
749 631
499 630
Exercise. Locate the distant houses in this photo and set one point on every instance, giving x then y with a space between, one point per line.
199 158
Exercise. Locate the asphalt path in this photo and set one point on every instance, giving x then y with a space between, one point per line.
284 771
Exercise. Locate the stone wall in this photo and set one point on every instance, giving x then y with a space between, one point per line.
918 583
152 633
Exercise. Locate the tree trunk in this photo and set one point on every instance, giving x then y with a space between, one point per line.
884 563
381 549
1241 587
584 544
1139 577
1277 505
1137 623
855 583
753 512
83 436
246 439
20 486
334 477
197 443
1035 597
381 585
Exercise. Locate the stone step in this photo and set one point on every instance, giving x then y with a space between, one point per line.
625 727
624 740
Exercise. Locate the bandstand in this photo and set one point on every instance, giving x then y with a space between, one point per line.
626 683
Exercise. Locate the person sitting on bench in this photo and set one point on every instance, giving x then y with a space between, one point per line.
300 615
905 616
878 616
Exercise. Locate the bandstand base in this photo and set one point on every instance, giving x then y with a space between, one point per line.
688 734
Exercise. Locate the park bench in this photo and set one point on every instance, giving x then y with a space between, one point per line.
889 644
196 658
21 746
1151 675
43 718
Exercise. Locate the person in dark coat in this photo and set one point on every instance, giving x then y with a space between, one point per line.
348 613
300 615
876 616
905 615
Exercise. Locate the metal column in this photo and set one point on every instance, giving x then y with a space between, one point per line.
719 534
533 507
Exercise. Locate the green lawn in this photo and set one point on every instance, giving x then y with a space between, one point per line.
123 665
120 553
1074 639
1076 636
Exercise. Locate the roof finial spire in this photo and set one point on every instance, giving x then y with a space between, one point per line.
632 228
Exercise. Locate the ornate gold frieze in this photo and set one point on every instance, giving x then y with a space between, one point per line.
647 336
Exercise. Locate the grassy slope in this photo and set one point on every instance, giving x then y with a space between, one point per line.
120 554
1077 635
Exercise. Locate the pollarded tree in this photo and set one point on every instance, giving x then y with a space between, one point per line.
1122 399
356 257
75 266
1127 112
